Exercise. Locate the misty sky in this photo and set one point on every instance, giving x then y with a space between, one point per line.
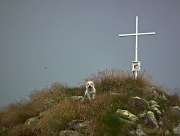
46 41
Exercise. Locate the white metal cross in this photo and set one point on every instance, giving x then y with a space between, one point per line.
136 48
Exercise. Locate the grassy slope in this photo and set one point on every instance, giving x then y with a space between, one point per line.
101 111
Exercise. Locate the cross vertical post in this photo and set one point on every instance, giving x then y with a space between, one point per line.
136 64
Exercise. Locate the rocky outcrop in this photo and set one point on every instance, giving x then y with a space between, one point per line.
152 115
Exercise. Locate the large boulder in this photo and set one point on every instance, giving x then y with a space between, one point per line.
140 103
69 133
152 120
126 115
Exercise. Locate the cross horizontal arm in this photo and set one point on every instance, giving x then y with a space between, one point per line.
134 34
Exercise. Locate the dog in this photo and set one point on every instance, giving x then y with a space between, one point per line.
90 89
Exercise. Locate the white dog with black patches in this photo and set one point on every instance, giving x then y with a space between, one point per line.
90 89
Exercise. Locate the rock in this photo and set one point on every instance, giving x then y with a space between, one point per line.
78 124
153 93
115 94
48 103
146 122
160 124
176 110
41 114
176 130
167 133
144 117
164 97
133 132
156 110
152 120
152 102
69 133
77 98
126 121
32 121
54 134
140 103
138 132
126 114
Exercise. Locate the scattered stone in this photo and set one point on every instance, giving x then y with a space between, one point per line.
32 121
137 132
176 130
160 124
176 110
164 97
41 114
152 102
133 132
69 133
152 120
78 98
167 133
140 103
140 132
146 122
153 93
54 134
115 94
126 114
156 110
78 124
143 115
48 103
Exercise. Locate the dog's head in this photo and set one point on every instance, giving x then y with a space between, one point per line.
89 84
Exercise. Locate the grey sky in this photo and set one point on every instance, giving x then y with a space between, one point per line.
46 41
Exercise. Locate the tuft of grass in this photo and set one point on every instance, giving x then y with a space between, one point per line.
101 112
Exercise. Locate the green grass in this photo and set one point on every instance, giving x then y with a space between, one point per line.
101 112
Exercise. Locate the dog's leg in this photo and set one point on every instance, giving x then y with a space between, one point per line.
93 96
89 96
85 95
